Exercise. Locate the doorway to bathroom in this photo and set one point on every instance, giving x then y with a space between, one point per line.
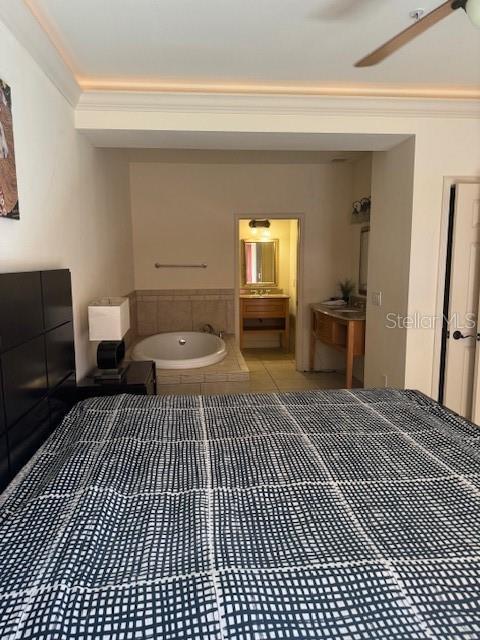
268 288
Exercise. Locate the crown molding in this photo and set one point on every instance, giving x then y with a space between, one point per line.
352 90
25 28
131 102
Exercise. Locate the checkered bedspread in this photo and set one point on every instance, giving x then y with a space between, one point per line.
325 514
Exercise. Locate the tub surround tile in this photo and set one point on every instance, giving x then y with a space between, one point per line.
184 310
176 316
132 332
170 379
230 310
146 317
189 378
212 312
215 377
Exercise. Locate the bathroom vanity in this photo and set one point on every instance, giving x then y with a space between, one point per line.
342 329
267 313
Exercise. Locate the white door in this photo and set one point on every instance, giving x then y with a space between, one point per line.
464 301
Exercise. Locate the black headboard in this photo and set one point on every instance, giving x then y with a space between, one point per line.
37 362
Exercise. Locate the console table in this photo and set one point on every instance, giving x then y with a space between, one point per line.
341 330
265 314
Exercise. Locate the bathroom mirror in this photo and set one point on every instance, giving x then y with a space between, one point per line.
260 263
363 267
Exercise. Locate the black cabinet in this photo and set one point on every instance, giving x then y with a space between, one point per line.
60 354
25 436
37 362
21 316
4 463
57 298
24 378
140 379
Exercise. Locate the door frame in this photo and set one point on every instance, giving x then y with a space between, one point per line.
299 324
448 183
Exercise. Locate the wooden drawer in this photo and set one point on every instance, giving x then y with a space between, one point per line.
263 308
330 331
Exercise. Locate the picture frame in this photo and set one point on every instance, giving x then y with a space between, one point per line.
9 206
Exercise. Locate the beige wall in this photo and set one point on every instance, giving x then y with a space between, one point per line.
388 265
186 213
74 199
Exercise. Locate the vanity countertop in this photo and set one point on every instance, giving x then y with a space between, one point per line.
249 296
339 313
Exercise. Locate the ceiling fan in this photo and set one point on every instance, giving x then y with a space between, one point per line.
471 7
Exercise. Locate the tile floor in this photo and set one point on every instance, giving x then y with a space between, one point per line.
270 370
274 370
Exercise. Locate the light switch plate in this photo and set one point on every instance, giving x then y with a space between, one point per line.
377 298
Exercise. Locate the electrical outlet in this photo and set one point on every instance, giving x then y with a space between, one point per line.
377 298
385 380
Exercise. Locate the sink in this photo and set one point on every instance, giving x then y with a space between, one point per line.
263 295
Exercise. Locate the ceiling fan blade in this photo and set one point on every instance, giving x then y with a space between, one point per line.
408 34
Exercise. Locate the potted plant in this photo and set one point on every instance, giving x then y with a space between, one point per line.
347 287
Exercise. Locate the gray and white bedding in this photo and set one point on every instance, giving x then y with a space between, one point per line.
325 514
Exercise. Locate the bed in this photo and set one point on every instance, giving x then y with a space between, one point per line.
323 514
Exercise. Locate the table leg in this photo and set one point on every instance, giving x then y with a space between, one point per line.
313 342
349 356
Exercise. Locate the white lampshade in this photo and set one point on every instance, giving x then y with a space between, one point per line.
108 319
473 11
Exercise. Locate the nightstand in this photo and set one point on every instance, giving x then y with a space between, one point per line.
140 379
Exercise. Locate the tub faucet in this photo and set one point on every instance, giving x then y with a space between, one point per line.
207 328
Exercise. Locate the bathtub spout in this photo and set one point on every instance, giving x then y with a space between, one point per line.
207 328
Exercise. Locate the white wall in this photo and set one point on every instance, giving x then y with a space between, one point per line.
361 188
185 213
444 149
389 263
74 199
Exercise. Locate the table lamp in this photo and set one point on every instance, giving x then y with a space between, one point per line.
108 322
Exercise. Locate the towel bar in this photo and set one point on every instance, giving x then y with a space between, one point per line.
180 266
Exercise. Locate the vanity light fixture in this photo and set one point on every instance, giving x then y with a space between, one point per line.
254 224
361 210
